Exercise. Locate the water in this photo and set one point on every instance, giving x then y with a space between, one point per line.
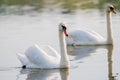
23 27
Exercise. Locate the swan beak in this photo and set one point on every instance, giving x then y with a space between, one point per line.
114 11
65 32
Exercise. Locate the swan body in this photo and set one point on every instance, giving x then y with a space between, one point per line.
83 37
46 56
35 56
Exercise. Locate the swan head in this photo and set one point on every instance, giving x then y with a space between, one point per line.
63 28
110 8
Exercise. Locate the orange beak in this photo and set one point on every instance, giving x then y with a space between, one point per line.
65 32
114 11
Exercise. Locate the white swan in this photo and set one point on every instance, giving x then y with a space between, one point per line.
46 57
82 37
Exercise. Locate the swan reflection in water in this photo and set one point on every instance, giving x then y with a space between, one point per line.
45 74
63 74
79 52
111 76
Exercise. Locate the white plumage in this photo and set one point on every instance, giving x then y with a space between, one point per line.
83 37
45 56
40 57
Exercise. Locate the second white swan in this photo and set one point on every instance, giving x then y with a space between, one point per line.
47 57
82 37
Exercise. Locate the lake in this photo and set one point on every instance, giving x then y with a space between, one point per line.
22 26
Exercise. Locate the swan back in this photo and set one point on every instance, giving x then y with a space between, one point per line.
40 57
51 51
84 37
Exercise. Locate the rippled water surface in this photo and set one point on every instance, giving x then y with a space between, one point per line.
26 25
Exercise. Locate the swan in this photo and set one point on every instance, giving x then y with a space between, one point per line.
46 57
82 37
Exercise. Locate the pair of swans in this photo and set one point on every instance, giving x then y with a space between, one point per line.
47 57
82 37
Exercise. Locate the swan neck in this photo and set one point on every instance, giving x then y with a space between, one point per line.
109 30
64 62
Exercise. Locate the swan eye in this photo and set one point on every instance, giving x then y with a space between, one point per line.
111 8
63 27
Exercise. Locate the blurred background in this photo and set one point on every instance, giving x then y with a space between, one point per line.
21 7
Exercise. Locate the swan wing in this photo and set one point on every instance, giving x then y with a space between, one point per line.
85 37
51 51
96 36
39 57
23 59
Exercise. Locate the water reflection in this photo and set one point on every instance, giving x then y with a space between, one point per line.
110 63
50 74
80 52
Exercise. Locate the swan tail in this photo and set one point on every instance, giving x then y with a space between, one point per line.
22 59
